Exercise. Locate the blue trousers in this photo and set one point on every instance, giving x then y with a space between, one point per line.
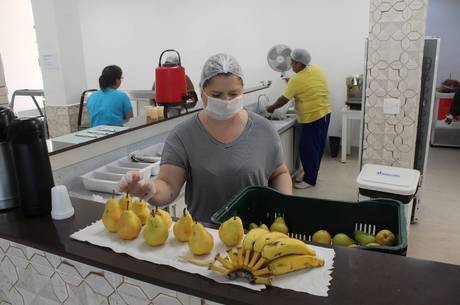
311 147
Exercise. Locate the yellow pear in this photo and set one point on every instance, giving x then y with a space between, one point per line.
252 226
183 227
322 237
279 225
111 215
124 201
201 242
129 225
141 208
231 231
385 238
165 215
264 226
156 232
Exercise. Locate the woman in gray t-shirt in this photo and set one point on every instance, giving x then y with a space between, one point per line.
219 151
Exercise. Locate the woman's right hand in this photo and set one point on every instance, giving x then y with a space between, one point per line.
135 184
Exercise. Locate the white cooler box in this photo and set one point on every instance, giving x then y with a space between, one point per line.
380 181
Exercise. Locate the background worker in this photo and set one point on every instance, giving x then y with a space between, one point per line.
309 89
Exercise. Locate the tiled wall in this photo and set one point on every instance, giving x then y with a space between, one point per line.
395 54
30 276
63 119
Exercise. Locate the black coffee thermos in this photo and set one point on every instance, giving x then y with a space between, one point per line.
8 189
33 168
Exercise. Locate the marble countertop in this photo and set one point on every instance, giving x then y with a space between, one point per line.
359 276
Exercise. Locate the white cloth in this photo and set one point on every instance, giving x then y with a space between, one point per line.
315 281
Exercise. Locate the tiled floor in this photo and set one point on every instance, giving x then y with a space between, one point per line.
437 234
336 180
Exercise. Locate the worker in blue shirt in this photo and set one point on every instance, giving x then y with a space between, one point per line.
108 106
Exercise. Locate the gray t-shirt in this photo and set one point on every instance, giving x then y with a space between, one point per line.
215 171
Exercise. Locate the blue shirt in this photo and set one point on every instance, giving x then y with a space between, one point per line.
108 107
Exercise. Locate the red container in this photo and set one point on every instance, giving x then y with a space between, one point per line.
444 108
170 83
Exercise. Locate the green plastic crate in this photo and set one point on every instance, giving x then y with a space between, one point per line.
304 216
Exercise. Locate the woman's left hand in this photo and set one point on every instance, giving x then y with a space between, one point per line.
135 184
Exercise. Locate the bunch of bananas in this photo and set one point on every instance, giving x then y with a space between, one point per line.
264 254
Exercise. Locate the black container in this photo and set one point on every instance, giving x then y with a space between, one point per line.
304 216
33 168
334 144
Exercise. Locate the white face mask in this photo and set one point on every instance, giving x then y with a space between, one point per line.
220 109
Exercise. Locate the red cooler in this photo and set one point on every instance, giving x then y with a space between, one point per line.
170 83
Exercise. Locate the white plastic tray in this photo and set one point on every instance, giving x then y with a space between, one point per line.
106 178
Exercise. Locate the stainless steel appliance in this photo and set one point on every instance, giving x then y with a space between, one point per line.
354 91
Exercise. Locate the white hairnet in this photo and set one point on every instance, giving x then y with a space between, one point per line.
172 59
220 64
301 55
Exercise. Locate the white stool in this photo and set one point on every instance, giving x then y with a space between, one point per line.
347 115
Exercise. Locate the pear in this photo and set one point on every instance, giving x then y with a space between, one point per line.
124 200
156 232
111 215
182 229
279 225
129 225
385 238
165 215
201 242
322 237
252 226
141 208
342 239
264 226
363 238
231 231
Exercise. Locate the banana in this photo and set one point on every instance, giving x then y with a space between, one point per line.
240 256
261 262
291 263
252 236
285 246
249 241
260 244
263 280
224 261
232 253
266 239
261 272
222 270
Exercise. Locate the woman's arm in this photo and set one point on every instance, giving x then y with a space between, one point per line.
281 180
168 185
